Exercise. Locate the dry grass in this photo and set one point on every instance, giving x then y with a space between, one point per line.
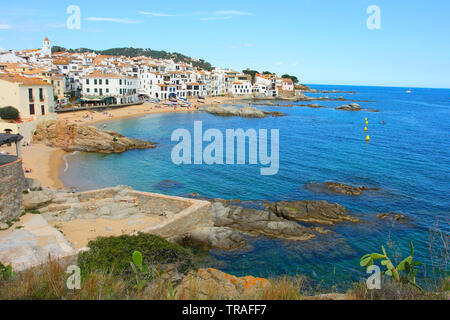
48 282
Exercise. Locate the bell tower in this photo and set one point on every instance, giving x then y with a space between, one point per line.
46 48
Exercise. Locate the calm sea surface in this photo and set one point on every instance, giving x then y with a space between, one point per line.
408 158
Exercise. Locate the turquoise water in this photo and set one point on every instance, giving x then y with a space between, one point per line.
408 158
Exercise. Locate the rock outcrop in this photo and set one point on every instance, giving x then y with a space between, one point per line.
85 138
233 111
258 222
354 107
339 188
319 212
214 237
212 283
350 107
393 217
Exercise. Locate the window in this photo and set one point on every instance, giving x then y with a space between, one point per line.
107 90
31 109
95 81
107 81
41 94
120 82
95 90
30 94
100 81
43 110
87 81
87 90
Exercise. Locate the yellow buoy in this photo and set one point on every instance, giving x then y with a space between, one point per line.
368 138
365 119
367 123
365 129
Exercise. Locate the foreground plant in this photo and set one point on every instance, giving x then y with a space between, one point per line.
6 272
404 273
142 272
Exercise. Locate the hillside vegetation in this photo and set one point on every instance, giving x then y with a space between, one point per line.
137 52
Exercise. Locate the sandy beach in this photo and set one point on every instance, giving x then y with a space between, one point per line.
92 117
45 163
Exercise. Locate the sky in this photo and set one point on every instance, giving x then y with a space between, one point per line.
319 41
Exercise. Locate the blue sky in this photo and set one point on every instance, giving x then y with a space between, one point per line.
320 41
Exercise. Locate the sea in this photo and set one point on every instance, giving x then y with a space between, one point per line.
407 159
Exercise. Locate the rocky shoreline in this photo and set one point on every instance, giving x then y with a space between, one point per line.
233 111
85 138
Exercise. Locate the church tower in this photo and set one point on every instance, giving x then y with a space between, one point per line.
46 48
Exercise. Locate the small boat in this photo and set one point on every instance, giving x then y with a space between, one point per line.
409 91
202 98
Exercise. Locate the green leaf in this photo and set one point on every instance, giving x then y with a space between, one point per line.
417 263
134 268
384 250
365 262
390 266
137 259
388 273
412 248
395 275
403 264
384 262
377 256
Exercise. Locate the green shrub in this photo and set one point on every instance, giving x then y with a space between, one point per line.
114 254
9 113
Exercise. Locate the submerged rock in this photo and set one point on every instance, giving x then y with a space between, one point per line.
320 212
168 185
338 188
393 216
85 138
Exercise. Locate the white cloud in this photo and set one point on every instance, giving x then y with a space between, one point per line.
203 16
216 18
295 64
245 45
5 26
156 14
233 13
115 20
277 64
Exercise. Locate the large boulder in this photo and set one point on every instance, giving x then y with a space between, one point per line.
214 284
38 199
215 237
84 138
319 212
258 222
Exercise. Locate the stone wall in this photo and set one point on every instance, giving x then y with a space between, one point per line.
12 181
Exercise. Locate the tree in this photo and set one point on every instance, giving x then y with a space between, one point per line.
294 78
251 72
9 113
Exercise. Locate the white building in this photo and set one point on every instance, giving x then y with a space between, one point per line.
46 50
241 88
110 88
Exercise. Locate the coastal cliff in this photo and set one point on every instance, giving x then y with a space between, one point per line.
85 138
